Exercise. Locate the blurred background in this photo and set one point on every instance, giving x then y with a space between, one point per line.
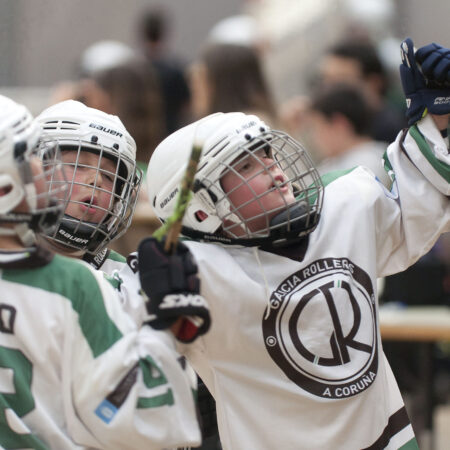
42 41
160 64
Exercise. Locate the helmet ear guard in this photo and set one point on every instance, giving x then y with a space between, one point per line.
39 190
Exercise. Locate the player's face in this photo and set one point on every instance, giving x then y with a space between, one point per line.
92 185
256 189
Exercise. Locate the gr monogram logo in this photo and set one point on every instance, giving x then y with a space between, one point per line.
320 328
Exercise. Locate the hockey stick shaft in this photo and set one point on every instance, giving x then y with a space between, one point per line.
172 226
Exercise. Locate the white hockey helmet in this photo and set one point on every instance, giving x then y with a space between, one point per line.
73 126
210 215
19 137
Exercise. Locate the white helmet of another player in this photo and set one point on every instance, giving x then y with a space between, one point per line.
74 127
286 207
43 189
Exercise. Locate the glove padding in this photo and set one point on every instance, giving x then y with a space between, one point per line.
426 90
171 283
434 61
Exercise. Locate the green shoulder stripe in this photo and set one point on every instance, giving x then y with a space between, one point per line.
410 445
114 256
441 168
77 284
334 175
326 180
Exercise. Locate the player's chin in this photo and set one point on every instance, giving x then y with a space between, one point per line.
280 203
88 214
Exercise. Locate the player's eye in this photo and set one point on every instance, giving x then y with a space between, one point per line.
108 175
245 165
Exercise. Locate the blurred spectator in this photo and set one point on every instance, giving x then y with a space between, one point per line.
358 62
132 92
340 119
230 77
99 56
153 31
241 29
103 55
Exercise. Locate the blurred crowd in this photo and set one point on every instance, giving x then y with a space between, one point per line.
352 109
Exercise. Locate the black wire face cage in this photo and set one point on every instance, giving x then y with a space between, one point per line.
276 193
87 224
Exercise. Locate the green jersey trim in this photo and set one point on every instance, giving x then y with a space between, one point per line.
77 284
326 179
441 168
410 445
114 256
329 177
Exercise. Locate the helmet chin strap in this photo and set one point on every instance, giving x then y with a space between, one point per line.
22 231
26 234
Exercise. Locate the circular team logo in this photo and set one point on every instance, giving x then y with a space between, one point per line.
321 328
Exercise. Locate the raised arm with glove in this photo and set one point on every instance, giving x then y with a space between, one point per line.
425 76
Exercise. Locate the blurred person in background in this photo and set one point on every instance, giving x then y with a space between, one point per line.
100 55
228 78
357 62
339 121
352 60
153 31
240 29
132 92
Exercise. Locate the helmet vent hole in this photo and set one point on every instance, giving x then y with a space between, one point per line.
200 215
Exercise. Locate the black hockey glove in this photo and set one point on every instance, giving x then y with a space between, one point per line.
427 89
170 282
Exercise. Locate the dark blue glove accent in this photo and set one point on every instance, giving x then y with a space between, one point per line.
423 91
435 64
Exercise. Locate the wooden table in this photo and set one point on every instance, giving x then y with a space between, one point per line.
425 325
144 215
415 323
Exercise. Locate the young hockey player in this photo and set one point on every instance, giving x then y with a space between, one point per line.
294 357
99 157
76 371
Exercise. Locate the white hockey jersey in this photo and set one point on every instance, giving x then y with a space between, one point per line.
294 356
76 372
